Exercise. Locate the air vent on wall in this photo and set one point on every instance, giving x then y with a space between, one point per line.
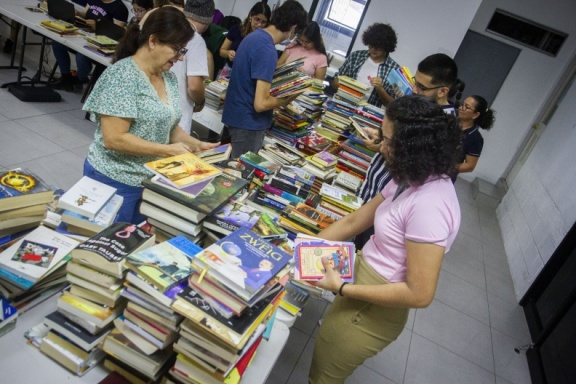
526 32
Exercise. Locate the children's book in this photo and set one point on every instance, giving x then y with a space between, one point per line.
87 197
165 264
183 170
34 256
242 261
308 252
21 188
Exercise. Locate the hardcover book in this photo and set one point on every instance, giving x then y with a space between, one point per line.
243 260
21 188
183 170
34 256
166 264
87 197
214 196
107 250
231 217
308 252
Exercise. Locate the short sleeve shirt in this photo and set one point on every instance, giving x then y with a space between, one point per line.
312 58
115 10
472 143
235 36
123 90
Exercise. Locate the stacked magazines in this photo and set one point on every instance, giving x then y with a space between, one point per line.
101 44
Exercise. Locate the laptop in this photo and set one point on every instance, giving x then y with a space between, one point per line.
109 29
65 11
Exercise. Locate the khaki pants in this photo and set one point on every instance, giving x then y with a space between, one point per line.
354 330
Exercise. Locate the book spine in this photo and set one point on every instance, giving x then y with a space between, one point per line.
288 196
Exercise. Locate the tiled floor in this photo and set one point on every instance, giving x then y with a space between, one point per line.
466 336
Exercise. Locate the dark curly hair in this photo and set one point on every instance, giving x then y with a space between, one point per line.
380 36
288 14
486 118
168 24
426 141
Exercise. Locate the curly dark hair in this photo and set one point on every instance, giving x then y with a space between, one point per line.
168 24
380 36
288 14
486 118
426 140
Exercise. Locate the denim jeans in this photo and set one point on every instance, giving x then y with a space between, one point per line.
244 140
83 63
128 212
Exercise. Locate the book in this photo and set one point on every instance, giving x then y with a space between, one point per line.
339 197
69 355
59 26
34 256
163 298
267 228
324 159
400 85
102 41
112 294
310 216
126 372
107 250
309 251
217 154
87 197
294 299
348 181
183 170
154 328
95 297
232 216
32 210
102 220
8 316
94 276
243 261
165 264
20 188
259 162
220 294
214 196
191 190
96 314
168 218
75 333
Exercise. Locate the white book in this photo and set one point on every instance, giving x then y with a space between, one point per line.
169 219
34 255
87 197
102 220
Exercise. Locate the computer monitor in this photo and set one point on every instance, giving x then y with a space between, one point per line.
61 10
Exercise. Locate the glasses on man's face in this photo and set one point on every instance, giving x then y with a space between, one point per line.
467 107
423 88
259 21
180 51
140 11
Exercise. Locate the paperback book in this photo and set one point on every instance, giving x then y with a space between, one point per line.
183 170
87 197
309 251
21 188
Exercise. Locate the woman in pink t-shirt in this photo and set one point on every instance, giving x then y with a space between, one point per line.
311 46
416 218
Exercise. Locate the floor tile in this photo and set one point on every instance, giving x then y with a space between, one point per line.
508 319
429 363
302 367
391 362
457 332
81 151
463 296
310 315
411 318
20 144
510 365
470 223
283 368
61 170
363 375
13 108
500 284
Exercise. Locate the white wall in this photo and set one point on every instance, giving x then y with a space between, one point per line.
240 8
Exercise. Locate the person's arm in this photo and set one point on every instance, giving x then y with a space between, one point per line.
374 143
378 84
117 137
82 12
283 58
195 90
180 137
120 23
423 261
468 165
226 52
353 223
320 73
210 61
264 102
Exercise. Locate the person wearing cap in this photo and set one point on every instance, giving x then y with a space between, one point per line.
193 69
248 105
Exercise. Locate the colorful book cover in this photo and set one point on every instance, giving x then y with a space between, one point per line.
214 196
183 170
191 190
104 218
245 259
400 85
308 252
311 216
164 264
214 155
267 228
259 162
20 182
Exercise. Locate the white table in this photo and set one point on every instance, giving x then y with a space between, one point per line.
23 363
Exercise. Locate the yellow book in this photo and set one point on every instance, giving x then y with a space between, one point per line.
59 25
183 170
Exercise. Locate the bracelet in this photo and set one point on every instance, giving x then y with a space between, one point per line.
340 290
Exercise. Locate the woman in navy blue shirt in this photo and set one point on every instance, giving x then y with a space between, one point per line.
473 114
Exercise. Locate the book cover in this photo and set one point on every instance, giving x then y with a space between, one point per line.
400 85
165 264
53 213
325 159
61 324
245 259
311 216
217 154
183 170
102 220
35 255
59 26
234 215
339 197
20 188
108 249
267 228
102 41
259 162
87 197
309 251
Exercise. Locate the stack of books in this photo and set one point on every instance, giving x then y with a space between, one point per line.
313 100
312 143
356 150
215 93
352 91
101 44
322 165
281 152
290 123
348 181
23 199
217 154
59 26
303 218
233 290
88 207
401 80
175 211
337 201
32 268
288 80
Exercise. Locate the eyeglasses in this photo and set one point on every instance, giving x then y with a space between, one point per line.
423 88
139 11
466 107
180 51
381 137
259 21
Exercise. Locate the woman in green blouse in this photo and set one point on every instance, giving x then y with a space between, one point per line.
136 106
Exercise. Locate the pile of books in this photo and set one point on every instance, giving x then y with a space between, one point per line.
290 123
233 291
313 100
215 93
288 80
313 143
352 91
174 210
281 153
337 202
401 80
23 199
101 44
322 165
59 26
353 158
303 218
88 208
